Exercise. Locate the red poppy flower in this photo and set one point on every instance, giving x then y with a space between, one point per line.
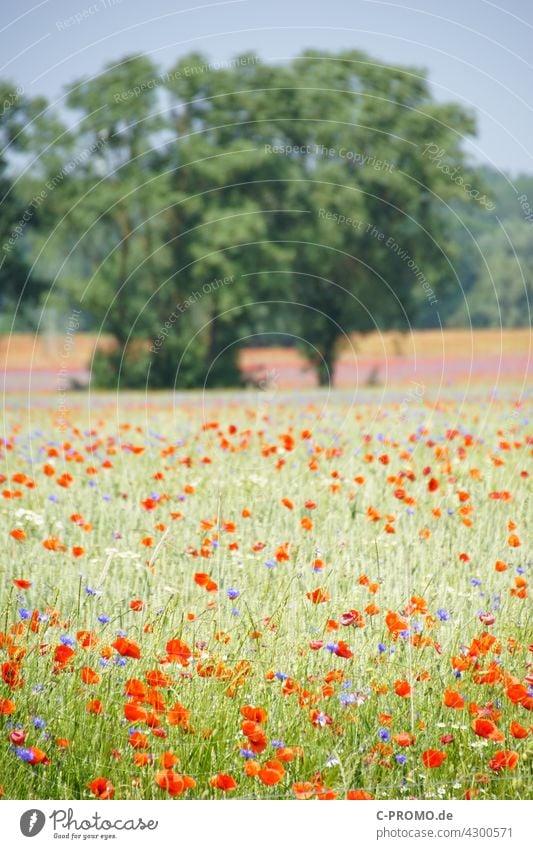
453 699
127 648
87 639
168 760
403 738
155 678
504 759
37 756
174 783
518 731
178 715
178 652
89 676
318 596
255 714
432 758
395 623
203 580
402 689
272 773
135 713
223 782
343 650
359 795
101 788
353 617
487 729
138 740
54 544
303 790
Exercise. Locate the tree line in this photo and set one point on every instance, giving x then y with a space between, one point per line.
189 212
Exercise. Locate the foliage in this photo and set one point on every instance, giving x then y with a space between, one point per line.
207 589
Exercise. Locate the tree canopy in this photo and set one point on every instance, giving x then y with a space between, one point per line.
192 211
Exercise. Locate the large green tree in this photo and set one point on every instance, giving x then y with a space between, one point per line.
193 211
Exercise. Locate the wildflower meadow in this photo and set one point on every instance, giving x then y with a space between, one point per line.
260 596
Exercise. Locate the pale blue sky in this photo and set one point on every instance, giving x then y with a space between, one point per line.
477 52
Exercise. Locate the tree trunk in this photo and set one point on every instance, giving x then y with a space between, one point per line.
326 362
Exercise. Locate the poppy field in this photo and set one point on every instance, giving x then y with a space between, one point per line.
262 597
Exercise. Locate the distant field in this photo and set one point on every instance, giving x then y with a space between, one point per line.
428 357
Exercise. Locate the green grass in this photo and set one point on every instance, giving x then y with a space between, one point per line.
346 753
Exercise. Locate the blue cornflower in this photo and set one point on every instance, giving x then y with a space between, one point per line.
235 612
475 582
24 754
247 753
232 593
53 498
443 614
67 641
347 699
384 734
38 722
332 647
281 676
382 647
277 744
270 564
103 619
24 613
400 758
106 497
